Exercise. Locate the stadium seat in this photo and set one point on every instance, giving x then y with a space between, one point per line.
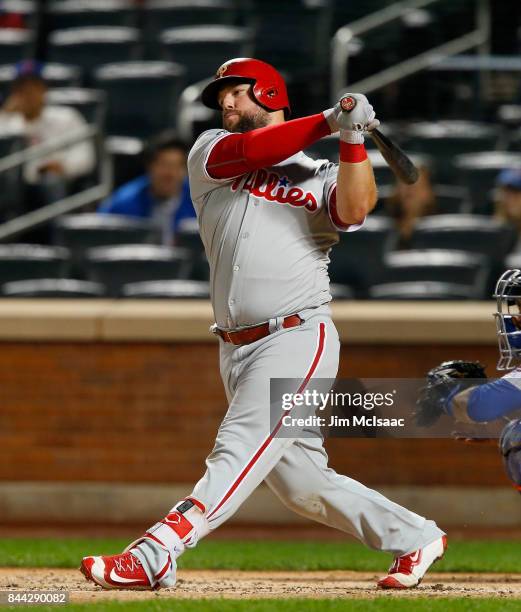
116 266
473 233
188 237
509 115
126 154
80 13
62 75
478 171
451 199
56 75
442 140
199 268
10 181
384 193
202 49
91 47
160 15
169 289
513 261
357 259
193 117
10 141
509 118
427 290
31 261
455 17
26 10
443 266
514 143
341 292
292 35
15 45
420 29
83 231
373 51
53 288
394 130
346 12
142 96
383 173
91 103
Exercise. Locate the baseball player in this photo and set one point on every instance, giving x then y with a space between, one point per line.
461 389
268 217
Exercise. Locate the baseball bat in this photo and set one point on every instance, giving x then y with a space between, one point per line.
398 161
401 165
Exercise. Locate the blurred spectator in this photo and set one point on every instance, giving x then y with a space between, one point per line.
408 203
162 194
25 109
508 199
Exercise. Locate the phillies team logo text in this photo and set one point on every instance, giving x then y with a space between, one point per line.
274 188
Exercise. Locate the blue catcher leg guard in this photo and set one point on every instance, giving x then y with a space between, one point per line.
510 447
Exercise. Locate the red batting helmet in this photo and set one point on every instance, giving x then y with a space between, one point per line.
269 89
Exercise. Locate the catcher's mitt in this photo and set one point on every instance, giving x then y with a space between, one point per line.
448 377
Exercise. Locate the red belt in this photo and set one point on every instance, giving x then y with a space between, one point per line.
252 334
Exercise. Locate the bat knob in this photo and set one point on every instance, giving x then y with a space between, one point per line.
347 103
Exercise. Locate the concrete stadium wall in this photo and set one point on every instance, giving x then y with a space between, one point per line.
128 394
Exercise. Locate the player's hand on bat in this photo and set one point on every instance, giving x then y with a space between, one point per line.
354 115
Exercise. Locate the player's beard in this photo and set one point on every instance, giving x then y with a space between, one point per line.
251 121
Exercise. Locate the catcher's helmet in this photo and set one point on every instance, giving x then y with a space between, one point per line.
269 88
510 447
508 318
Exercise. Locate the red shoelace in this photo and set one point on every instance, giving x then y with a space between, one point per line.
405 563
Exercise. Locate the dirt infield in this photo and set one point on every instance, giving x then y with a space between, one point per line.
207 584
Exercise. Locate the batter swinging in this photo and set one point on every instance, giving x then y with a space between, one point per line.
268 216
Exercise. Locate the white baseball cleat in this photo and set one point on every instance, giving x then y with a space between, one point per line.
408 571
124 571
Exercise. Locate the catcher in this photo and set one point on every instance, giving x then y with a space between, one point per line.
461 389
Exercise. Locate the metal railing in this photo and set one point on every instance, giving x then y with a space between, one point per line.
344 37
190 109
71 203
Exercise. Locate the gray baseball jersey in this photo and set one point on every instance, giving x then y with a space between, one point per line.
267 235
